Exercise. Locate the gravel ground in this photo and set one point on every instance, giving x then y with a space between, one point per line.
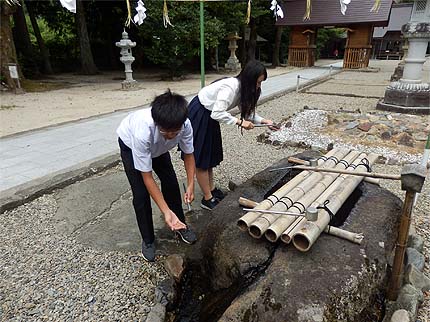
48 277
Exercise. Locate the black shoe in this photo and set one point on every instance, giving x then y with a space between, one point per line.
218 194
209 204
148 251
187 235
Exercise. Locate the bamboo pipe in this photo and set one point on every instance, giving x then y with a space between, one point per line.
305 238
245 221
283 230
307 163
299 195
331 230
354 173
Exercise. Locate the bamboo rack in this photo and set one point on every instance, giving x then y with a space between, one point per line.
338 173
245 221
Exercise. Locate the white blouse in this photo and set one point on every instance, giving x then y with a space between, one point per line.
222 96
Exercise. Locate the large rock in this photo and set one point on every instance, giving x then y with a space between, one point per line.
335 281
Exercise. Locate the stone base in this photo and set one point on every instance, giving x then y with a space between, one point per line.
129 85
402 109
406 98
233 64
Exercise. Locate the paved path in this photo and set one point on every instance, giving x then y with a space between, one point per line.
38 154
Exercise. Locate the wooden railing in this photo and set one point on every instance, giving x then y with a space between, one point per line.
301 56
357 57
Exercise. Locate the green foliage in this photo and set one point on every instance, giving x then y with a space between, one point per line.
325 35
176 46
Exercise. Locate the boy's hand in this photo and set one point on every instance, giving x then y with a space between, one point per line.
172 221
189 195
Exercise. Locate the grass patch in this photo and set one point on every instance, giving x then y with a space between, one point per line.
32 86
7 107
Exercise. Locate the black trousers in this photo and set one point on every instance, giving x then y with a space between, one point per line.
163 167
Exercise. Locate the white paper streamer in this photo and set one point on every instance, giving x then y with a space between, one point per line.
277 10
69 5
141 15
343 5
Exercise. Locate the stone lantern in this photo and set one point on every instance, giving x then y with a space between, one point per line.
410 94
232 62
127 59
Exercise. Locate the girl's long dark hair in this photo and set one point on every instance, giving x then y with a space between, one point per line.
249 94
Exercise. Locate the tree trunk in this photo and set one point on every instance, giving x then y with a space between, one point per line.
278 35
252 43
7 46
87 62
23 43
47 68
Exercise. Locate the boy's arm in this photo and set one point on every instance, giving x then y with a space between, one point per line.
169 216
190 168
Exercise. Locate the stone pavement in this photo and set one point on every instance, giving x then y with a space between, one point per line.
36 161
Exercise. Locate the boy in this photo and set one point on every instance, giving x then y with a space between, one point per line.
145 137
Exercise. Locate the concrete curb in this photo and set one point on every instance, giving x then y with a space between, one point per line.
33 189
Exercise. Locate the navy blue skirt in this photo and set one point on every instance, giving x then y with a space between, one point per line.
206 135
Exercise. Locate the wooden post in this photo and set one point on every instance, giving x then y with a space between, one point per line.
412 178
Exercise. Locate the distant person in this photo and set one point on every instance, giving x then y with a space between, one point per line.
145 137
336 53
209 108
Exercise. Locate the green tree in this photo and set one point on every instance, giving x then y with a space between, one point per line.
176 46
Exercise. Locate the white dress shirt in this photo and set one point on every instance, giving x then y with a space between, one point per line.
220 97
139 132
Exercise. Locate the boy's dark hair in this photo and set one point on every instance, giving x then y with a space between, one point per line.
249 94
169 110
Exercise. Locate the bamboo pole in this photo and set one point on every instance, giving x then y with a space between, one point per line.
308 163
304 239
354 173
245 221
331 230
273 226
318 194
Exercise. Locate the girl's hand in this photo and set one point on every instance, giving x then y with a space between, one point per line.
247 125
272 126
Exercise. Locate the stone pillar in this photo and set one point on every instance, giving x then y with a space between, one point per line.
127 59
233 63
409 94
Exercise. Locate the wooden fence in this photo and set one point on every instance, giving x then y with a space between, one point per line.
301 56
356 57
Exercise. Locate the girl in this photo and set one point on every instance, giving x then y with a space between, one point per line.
209 108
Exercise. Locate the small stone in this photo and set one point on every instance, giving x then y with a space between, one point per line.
174 265
415 258
389 117
417 279
90 299
404 139
400 316
288 124
351 125
365 127
416 242
386 135
232 185
157 313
